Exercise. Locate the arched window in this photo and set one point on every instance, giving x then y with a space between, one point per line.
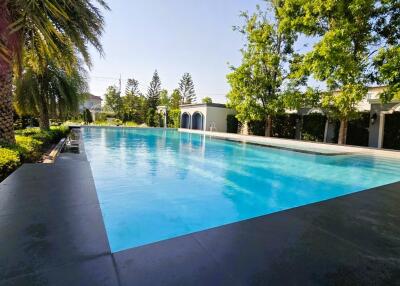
197 121
185 120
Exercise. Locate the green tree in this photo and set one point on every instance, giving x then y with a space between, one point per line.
256 85
113 101
52 93
175 99
164 99
132 86
387 59
42 30
133 102
186 88
387 64
206 99
153 99
87 116
342 55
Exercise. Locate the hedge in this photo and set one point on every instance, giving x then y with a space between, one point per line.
313 127
392 131
284 126
9 161
358 130
29 147
232 124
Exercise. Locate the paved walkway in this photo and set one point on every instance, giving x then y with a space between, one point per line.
52 233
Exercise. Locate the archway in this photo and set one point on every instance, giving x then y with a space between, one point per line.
389 135
185 120
197 121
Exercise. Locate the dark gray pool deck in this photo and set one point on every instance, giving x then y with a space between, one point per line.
52 233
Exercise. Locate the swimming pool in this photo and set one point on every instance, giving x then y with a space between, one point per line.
156 184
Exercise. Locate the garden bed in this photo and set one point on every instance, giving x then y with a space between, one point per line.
31 144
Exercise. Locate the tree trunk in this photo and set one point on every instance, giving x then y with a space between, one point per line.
6 74
268 126
44 118
6 110
343 131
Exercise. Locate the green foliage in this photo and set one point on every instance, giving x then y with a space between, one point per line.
284 126
206 99
87 116
151 117
134 104
313 128
186 88
164 99
9 161
232 124
358 130
175 99
113 101
154 90
348 34
387 64
48 30
256 84
50 93
392 131
153 99
256 127
31 141
174 117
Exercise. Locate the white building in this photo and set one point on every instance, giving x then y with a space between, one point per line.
205 116
92 102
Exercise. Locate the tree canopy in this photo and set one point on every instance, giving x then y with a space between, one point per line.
186 88
256 85
37 31
349 34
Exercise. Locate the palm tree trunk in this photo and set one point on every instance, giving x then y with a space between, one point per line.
343 131
6 74
6 110
44 118
268 126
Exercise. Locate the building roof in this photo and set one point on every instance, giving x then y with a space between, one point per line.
203 104
91 96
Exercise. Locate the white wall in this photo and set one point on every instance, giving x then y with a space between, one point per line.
218 116
212 114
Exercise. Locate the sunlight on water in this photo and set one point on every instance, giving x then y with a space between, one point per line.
156 184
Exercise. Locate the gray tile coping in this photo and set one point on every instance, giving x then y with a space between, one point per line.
52 233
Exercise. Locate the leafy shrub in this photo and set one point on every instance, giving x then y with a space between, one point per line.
358 130
28 148
313 127
9 161
232 124
391 139
256 127
174 117
130 124
284 126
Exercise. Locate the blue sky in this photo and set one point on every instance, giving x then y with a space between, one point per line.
172 36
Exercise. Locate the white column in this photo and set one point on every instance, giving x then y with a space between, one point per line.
381 132
326 130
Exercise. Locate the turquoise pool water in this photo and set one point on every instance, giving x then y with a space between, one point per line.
154 184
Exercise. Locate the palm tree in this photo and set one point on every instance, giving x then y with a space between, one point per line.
53 92
38 30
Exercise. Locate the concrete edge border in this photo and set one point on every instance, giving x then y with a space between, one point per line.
300 146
